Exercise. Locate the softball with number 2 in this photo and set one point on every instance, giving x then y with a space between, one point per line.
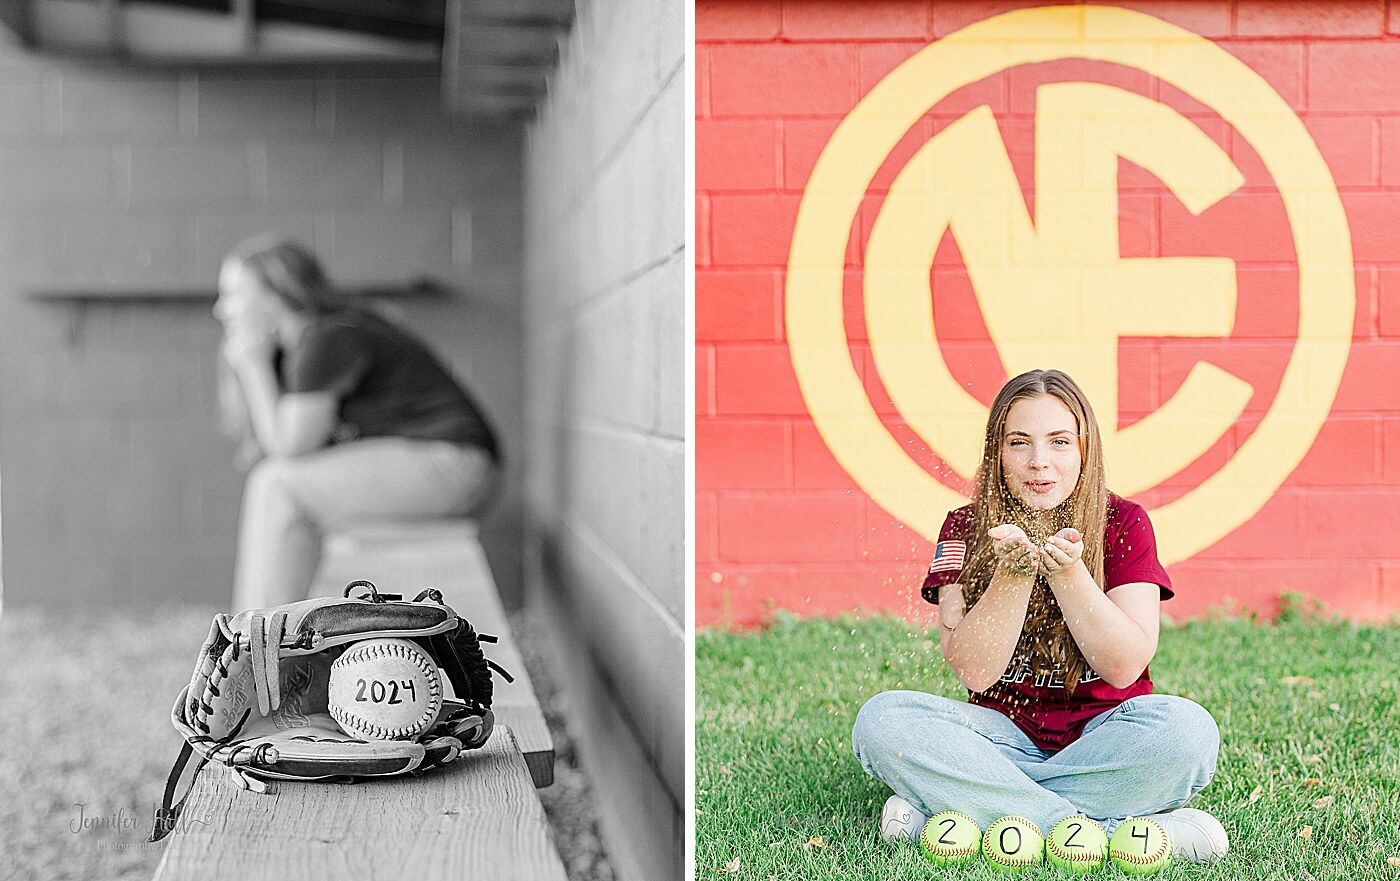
1013 843
1139 846
949 838
1077 844
385 689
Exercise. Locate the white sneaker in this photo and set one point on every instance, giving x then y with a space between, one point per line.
1195 836
899 819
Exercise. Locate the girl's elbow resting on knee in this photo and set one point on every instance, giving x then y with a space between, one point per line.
978 684
1123 676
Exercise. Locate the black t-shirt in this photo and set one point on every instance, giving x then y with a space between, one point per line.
388 383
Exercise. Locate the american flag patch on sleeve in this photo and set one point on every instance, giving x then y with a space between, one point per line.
948 556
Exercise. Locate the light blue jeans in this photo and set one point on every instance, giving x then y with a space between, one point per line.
290 503
1148 754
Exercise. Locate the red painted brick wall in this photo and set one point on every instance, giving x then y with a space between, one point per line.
781 524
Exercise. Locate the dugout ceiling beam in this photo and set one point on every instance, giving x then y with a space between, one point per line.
194 32
495 55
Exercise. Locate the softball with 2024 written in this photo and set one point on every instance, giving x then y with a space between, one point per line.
1012 844
1140 846
949 838
385 689
1077 844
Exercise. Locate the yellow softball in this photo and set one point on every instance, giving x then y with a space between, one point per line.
949 838
1140 846
1077 844
1013 843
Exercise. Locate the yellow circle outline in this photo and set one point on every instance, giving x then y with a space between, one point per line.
833 390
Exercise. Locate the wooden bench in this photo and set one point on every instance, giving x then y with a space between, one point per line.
404 558
476 818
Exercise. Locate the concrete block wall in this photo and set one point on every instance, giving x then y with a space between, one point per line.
781 524
117 487
604 410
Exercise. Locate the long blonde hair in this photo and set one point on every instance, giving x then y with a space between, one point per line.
291 272
1045 639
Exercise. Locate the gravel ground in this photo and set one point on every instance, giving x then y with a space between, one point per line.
85 721
569 802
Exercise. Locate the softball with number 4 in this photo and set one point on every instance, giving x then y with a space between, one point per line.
1140 846
949 838
1077 844
385 689
1013 843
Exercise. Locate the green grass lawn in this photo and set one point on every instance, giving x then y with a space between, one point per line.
1308 708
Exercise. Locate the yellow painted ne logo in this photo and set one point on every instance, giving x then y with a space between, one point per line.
1053 288
1054 291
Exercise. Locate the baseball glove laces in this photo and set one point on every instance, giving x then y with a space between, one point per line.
258 700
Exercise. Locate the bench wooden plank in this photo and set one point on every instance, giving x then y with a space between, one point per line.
475 818
406 558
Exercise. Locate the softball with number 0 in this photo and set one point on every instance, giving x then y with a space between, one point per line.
1013 843
385 689
1077 844
949 838
1140 846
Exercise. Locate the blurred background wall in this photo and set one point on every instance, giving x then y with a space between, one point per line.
604 408
124 181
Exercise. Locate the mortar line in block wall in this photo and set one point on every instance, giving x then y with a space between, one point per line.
590 300
619 146
623 431
626 577
604 682
1376 155
1378 444
1304 77
779 143
1375 280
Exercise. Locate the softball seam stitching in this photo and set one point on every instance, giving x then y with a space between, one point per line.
961 851
1017 862
1072 857
1052 846
1150 858
379 732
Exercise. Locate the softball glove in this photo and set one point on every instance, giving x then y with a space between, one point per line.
258 700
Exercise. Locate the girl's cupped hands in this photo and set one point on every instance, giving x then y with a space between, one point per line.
1062 551
1013 549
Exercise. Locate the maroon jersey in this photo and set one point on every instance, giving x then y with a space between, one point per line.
1039 703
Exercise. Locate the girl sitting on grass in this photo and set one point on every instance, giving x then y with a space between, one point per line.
1048 589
